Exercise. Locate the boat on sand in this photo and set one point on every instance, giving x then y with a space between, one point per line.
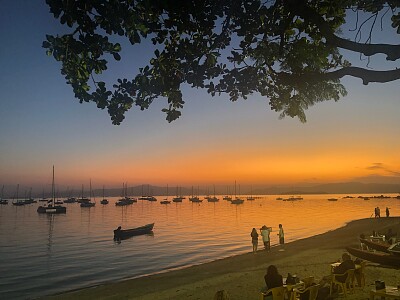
382 258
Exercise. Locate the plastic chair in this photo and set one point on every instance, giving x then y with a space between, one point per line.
360 274
278 293
308 281
343 285
312 290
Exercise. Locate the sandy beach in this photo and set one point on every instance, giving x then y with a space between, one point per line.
242 276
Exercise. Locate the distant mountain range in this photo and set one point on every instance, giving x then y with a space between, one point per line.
329 188
139 190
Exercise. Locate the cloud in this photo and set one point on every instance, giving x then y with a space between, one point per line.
376 166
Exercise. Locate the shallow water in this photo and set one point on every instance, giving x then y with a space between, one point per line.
46 254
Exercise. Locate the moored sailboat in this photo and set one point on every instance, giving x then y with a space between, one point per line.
89 203
51 207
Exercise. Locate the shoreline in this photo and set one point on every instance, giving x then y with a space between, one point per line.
242 275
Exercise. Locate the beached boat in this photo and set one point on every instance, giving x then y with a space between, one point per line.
376 257
394 249
379 246
121 234
51 207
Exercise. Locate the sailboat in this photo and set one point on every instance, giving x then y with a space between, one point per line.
83 199
89 203
51 207
237 200
18 202
213 199
166 201
3 201
70 199
227 198
178 198
104 201
251 198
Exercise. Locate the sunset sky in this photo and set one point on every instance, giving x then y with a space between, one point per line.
214 142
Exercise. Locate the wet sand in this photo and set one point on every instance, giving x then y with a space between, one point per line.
242 276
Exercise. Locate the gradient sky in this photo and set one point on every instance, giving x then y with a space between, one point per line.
214 142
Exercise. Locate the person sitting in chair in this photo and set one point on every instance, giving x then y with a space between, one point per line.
272 278
346 264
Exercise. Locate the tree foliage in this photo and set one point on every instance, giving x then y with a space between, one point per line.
285 50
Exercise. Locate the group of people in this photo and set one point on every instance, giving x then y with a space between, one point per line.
378 212
274 279
265 234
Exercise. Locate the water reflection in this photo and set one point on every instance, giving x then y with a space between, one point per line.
50 223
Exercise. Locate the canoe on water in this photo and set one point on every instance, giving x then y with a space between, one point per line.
121 234
376 257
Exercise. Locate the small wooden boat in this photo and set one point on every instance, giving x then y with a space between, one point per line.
332 199
376 257
378 246
121 234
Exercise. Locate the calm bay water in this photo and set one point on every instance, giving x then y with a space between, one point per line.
46 254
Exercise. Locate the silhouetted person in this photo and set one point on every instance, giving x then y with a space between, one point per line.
387 212
273 278
254 239
265 232
346 264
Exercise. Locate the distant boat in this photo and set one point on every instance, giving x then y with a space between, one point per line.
348 197
3 201
237 200
18 202
89 203
279 198
121 234
70 200
125 200
251 198
51 207
214 198
332 199
104 201
293 198
166 201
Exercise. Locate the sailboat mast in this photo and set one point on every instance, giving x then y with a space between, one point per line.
53 190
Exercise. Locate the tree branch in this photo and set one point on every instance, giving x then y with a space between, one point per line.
392 51
367 76
300 8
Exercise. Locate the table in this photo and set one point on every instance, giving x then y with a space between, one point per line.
389 292
290 288
336 264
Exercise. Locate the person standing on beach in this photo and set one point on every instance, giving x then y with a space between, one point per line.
254 239
265 232
387 212
281 235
